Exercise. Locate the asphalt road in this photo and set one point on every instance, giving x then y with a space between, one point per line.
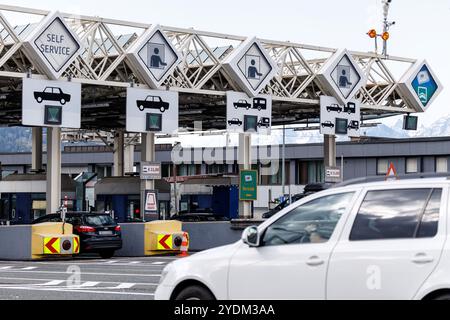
85 278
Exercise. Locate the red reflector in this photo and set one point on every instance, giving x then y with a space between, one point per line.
84 229
117 228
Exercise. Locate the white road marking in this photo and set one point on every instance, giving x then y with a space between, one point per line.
111 262
69 289
6 268
158 263
28 268
57 282
88 284
87 273
125 286
134 262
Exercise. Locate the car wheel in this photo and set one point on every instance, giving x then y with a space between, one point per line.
162 109
194 293
106 254
39 99
63 101
141 108
259 109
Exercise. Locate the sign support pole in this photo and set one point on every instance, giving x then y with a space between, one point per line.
329 150
245 163
53 169
36 158
119 142
147 154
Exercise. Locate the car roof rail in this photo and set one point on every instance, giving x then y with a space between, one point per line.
399 177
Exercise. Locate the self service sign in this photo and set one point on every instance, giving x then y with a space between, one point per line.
52 46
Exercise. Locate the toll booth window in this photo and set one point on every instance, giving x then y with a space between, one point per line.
441 164
382 166
397 214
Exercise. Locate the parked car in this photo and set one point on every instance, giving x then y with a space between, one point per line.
334 107
235 122
380 240
98 232
328 124
52 94
152 102
242 103
309 190
198 217
260 103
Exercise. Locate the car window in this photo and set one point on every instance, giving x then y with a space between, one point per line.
312 222
99 220
397 214
75 221
48 90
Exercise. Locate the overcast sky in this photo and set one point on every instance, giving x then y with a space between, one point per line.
421 31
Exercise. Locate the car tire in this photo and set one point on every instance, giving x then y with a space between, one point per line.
62 101
442 297
106 254
195 293
162 109
141 108
39 99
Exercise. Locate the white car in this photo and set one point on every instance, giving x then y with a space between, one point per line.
382 240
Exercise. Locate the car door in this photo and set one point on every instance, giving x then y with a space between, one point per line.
392 243
292 260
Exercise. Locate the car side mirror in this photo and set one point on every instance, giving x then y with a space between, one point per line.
251 236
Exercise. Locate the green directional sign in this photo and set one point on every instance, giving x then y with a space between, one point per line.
248 185
53 115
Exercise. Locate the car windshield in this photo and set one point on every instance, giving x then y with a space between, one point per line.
99 220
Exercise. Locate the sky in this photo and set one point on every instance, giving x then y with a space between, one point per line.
420 30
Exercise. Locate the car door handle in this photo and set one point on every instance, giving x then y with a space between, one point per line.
314 261
422 258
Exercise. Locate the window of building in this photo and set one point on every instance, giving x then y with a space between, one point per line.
276 177
441 164
382 166
397 214
412 165
217 168
311 172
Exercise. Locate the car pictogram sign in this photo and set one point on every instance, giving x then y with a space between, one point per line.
153 57
251 66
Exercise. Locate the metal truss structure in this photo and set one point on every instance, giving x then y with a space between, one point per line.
199 78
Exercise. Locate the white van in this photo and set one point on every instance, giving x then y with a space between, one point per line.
382 240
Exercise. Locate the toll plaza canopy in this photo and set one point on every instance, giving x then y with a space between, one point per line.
103 69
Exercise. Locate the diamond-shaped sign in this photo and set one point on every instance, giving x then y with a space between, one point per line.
420 86
52 46
251 67
153 57
341 77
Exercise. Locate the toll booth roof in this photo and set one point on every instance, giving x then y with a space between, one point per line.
67 183
126 186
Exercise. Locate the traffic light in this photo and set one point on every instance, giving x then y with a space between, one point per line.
372 33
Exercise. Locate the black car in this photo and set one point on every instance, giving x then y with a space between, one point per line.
354 125
309 190
334 107
350 108
98 232
52 94
328 124
235 122
152 102
242 103
264 122
198 215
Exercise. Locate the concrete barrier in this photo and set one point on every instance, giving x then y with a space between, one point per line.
207 235
15 242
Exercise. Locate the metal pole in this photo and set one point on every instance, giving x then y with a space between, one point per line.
53 169
118 154
342 168
175 195
36 157
147 154
245 163
283 163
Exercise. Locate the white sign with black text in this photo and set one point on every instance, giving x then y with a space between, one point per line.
48 103
53 45
245 114
152 111
338 119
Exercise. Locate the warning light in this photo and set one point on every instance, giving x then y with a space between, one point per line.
66 245
372 33
137 211
385 36
178 241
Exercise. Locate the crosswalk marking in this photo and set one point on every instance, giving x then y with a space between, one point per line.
158 263
125 286
52 283
111 262
88 284
6 268
28 268
134 262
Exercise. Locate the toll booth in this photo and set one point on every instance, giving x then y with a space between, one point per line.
223 200
23 197
121 196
